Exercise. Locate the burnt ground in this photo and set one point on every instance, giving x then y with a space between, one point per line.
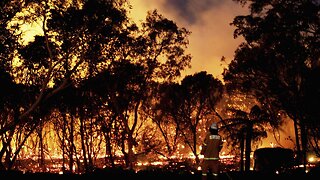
117 174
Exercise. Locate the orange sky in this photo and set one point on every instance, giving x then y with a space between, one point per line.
209 22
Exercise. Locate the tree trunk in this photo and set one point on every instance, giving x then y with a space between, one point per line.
241 153
248 146
64 125
83 146
41 149
304 142
71 145
296 131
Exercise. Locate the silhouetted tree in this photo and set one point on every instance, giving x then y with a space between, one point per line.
13 98
163 118
64 117
66 45
156 54
79 42
9 41
275 61
190 106
244 129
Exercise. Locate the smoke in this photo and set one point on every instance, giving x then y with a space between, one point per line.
189 10
209 22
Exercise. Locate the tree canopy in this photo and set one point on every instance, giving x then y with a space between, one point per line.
81 40
89 72
278 60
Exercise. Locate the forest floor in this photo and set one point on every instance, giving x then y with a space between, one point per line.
158 174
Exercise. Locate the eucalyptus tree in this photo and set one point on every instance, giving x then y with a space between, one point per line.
162 57
121 92
60 56
69 50
102 87
161 111
9 92
82 39
277 58
64 115
7 37
13 97
190 106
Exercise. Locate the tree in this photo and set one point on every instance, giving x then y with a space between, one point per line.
13 97
67 52
244 129
164 119
7 37
276 60
81 42
190 105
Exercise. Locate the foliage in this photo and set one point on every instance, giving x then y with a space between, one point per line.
88 72
190 106
277 61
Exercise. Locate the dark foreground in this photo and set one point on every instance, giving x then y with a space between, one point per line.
158 174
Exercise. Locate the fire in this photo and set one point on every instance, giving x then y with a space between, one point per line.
56 158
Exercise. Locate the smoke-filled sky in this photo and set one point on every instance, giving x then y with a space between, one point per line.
209 22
